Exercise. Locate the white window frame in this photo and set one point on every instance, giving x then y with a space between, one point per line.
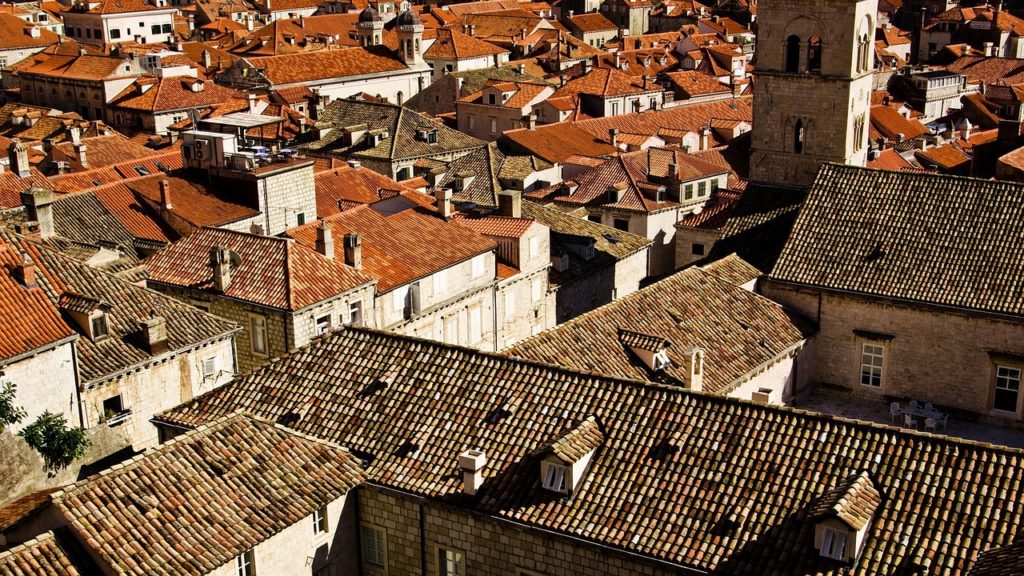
834 543
554 477
373 541
451 562
872 350
1007 376
322 328
399 298
492 124
258 325
440 282
476 325
353 308
245 563
211 366
477 265
320 524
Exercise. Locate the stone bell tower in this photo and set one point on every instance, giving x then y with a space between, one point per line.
815 60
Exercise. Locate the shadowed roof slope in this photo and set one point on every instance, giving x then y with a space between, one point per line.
201 499
776 462
928 238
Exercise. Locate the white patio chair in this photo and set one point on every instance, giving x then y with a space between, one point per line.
914 405
943 421
895 412
928 407
909 421
930 424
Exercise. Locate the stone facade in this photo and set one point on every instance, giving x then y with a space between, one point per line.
814 77
945 356
151 26
604 285
45 381
164 383
657 226
285 193
693 244
487 546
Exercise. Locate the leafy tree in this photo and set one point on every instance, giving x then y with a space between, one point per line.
9 412
58 443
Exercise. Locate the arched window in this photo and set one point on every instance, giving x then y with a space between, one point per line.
864 54
793 54
798 137
400 98
814 54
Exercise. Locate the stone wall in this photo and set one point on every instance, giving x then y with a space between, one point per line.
489 547
44 381
940 356
302 324
288 197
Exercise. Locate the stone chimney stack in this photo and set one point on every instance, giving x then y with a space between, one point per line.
220 261
39 207
472 463
531 121
354 250
76 135
705 138
154 333
25 273
693 367
510 203
165 196
613 137
207 59
83 160
17 154
252 103
325 240
444 202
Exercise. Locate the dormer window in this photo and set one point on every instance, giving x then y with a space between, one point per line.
651 350
99 327
91 314
843 516
565 460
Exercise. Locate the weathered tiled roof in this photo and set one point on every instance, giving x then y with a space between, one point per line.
275 272
201 499
173 93
853 502
1005 561
674 465
576 442
16 33
454 45
344 187
401 125
738 330
402 247
98 360
758 225
48 554
325 64
732 269
927 238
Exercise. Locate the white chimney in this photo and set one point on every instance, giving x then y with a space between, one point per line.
444 202
353 250
220 261
472 463
693 367
17 154
325 240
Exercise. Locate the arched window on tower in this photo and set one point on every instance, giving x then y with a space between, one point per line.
814 54
793 54
798 137
863 53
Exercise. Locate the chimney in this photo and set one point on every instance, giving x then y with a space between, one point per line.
510 203
531 121
522 68
693 367
705 137
444 202
472 29
165 196
220 261
207 60
966 129
154 333
354 250
76 135
353 163
618 60
987 47
613 137
17 154
570 14
25 273
587 66
252 103
472 463
38 204
325 241
83 160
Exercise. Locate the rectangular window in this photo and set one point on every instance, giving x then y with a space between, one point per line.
697 249
702 189
399 298
472 122
155 29
112 407
166 28
833 544
615 108
536 290
621 224
440 283
115 33
210 367
374 544
99 327
320 520
510 303
355 313
1007 389
534 247
300 218
245 564
323 324
688 194
450 563
96 33
554 477
475 325
477 265
594 218
714 185
494 125
258 332
871 360
491 98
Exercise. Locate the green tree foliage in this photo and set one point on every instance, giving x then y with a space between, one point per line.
9 412
58 443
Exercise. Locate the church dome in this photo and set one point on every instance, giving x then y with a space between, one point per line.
408 18
369 15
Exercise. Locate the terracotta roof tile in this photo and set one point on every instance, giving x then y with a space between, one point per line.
454 45
174 93
323 64
275 272
853 502
46 555
346 186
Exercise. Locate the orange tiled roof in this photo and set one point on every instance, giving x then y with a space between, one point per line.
592 22
78 67
347 187
324 64
887 122
403 247
174 93
105 150
454 45
501 226
16 33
